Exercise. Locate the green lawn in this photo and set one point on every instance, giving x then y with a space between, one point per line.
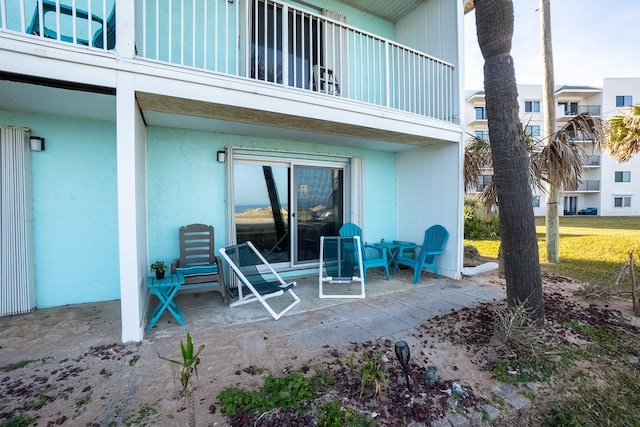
591 247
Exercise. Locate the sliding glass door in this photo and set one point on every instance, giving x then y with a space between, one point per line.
284 207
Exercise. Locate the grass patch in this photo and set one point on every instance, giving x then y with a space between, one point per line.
19 421
600 403
591 247
143 413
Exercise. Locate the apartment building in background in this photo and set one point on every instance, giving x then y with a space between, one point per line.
148 115
608 188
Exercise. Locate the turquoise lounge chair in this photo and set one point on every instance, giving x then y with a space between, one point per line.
435 238
380 256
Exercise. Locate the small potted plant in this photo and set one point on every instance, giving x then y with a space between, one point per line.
159 267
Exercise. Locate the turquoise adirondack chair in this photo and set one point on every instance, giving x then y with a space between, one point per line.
380 255
435 238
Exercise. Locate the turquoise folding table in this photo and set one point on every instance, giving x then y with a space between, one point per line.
165 289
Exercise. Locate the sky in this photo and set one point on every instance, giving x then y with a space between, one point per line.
591 39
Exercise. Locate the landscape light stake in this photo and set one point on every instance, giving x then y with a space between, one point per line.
403 354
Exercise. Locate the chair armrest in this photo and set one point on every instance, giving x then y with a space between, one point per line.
382 251
174 265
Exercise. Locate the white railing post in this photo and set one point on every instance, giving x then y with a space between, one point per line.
285 45
387 73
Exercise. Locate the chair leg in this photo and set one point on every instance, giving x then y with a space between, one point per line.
416 274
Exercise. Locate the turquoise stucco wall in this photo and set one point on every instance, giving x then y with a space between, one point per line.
75 209
186 184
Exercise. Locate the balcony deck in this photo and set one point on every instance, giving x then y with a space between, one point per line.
269 42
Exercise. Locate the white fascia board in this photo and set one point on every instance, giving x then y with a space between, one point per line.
58 62
246 93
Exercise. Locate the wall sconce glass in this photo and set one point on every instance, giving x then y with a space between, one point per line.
221 156
36 143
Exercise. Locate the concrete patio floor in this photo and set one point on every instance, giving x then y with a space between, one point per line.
389 311
390 307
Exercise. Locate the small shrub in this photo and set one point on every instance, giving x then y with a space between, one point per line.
293 391
372 375
478 225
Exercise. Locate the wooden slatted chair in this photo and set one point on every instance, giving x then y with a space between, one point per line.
198 263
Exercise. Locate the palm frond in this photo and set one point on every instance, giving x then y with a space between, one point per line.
623 135
489 197
477 159
561 159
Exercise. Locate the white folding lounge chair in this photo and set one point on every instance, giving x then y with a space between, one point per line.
259 281
340 256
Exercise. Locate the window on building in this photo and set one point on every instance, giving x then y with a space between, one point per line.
483 181
480 113
533 130
536 201
532 106
623 176
622 202
624 100
482 134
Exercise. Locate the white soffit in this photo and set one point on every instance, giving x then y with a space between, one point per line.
391 10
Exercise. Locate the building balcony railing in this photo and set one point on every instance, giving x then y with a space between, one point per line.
591 160
571 110
589 185
265 40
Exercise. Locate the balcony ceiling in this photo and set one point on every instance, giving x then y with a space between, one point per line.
394 10
390 10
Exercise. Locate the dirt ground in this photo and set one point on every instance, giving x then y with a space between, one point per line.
76 374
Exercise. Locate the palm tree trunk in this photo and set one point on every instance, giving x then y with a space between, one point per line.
548 105
494 24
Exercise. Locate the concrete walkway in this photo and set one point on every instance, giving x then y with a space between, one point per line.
389 309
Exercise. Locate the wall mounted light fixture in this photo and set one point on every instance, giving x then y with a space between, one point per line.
36 143
221 156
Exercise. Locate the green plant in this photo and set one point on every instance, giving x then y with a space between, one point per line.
158 267
333 415
372 375
143 413
189 362
13 366
293 391
19 421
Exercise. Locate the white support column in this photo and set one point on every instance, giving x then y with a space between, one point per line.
131 209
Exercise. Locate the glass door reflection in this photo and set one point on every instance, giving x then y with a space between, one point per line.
319 207
261 194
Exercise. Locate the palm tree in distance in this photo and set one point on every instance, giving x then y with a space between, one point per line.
560 161
623 134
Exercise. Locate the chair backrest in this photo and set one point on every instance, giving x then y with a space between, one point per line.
435 238
246 261
350 230
196 244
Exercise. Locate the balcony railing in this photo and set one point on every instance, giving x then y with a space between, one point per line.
591 160
589 185
264 40
574 110
64 21
278 44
